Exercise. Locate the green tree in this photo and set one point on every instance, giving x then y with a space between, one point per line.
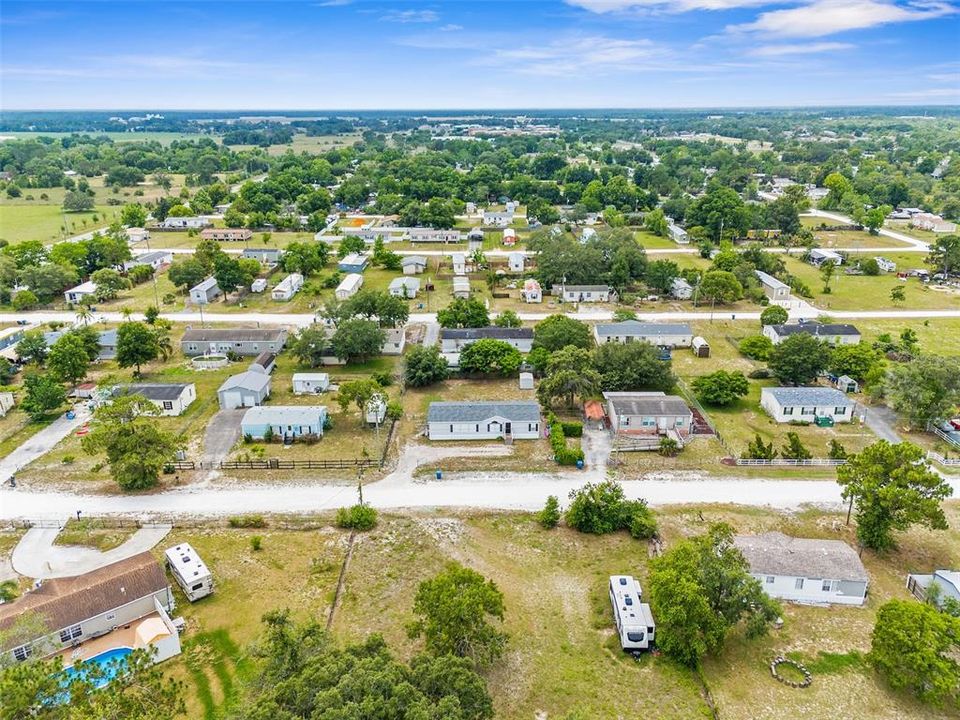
945 254
109 284
794 449
632 366
133 215
915 648
136 344
897 294
602 508
490 356
25 300
870 267
873 218
925 389
756 347
721 387
721 287
358 392
549 517
559 331
656 222
43 394
508 319
857 361
892 488
425 366
310 346
32 348
774 315
827 271
76 201
661 274
700 589
135 445
305 258
455 610
187 273
759 450
357 340
569 374
464 313
799 359
68 360
231 274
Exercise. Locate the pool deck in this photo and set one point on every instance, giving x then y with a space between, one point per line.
125 636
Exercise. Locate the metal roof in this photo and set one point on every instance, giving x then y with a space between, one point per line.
236 334
284 415
493 332
249 380
643 329
774 553
812 396
152 391
522 411
652 404
817 329
413 260
204 285
770 280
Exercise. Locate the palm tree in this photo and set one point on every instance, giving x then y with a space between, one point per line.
161 330
84 314
126 311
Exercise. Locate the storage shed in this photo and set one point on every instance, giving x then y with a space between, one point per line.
701 348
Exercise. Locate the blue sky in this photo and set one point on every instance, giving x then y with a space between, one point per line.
362 54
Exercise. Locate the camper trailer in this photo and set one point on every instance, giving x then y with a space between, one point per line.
635 624
189 571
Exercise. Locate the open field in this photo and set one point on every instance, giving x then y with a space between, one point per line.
164 138
562 657
846 238
44 221
316 145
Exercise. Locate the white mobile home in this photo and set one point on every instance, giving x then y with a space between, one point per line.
819 256
284 421
349 286
258 285
76 294
648 413
634 620
680 289
205 292
413 264
404 287
310 383
775 290
947 584
156 259
395 339
583 293
170 398
184 223
483 420
288 287
455 339
516 261
818 405
833 333
805 571
240 340
459 263
190 572
461 286
886 265
659 334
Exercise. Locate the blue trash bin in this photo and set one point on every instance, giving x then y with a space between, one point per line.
579 464
71 414
439 475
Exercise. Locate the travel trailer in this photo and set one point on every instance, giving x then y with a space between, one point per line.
635 624
189 571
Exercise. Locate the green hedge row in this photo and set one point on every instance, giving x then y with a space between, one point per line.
561 453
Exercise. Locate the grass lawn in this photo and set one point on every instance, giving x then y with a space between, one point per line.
41 221
94 533
16 428
562 656
846 238
655 242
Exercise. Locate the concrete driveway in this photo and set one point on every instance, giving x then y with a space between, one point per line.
222 434
883 421
42 443
37 557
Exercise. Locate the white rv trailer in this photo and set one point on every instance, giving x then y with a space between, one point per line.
634 620
189 571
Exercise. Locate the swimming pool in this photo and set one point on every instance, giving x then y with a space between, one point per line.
103 667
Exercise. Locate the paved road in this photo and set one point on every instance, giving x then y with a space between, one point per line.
42 443
37 557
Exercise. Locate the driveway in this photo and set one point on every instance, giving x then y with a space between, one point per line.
222 434
42 443
596 450
883 421
37 557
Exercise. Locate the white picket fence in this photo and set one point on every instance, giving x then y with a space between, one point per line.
947 462
822 462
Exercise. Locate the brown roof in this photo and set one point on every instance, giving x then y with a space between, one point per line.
593 410
67 601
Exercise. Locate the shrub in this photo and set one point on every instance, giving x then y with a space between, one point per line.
68 459
643 524
247 521
760 374
602 508
357 517
668 447
756 347
383 379
256 542
247 438
549 517
561 453
572 429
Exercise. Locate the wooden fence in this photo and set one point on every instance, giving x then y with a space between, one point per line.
785 462
278 464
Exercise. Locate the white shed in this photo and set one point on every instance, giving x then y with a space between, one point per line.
516 261
310 383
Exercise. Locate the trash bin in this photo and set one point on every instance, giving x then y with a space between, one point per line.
71 414
579 464
439 475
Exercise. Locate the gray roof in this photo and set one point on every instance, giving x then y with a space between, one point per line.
249 380
152 391
521 411
152 256
265 359
817 329
643 329
284 415
774 553
258 252
653 404
204 285
585 288
492 332
413 260
811 396
770 280
108 338
238 334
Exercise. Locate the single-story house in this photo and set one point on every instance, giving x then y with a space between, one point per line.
394 342
265 362
137 234
249 342
265 256
413 264
509 236
205 292
775 290
805 570
286 421
288 287
483 420
833 333
349 286
461 286
947 584
933 223
660 334
108 342
405 287
353 263
818 256
516 261
807 404
648 413
310 383
155 259
677 233
170 398
497 218
420 234
459 263
131 597
455 339
680 289
228 234
532 292
76 294
885 265
246 389
583 293
184 223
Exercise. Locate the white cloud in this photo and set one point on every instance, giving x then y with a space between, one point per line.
333 3
798 49
826 17
614 6
451 27
928 93
410 16
579 55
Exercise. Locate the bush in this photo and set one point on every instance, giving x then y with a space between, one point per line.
756 347
572 429
383 379
256 542
561 453
549 517
68 459
602 508
643 524
357 517
247 521
668 447
759 374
